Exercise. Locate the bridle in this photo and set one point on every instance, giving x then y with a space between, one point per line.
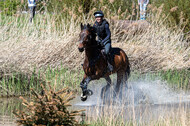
92 46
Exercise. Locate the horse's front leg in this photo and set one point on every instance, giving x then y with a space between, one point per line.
84 84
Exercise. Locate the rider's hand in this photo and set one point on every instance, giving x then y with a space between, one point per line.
99 42
102 44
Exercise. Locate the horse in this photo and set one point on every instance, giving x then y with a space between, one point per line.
95 64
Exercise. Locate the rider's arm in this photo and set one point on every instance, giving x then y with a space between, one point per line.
108 33
94 28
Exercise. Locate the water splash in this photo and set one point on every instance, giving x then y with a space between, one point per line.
156 92
143 91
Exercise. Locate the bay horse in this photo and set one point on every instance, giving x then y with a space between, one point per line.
95 64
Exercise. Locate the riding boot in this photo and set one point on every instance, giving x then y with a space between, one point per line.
110 67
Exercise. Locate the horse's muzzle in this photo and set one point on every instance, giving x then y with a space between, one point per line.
81 49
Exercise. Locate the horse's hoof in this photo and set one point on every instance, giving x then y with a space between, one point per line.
83 98
90 92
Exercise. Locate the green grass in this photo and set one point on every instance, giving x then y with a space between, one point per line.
179 79
64 77
8 105
121 8
17 83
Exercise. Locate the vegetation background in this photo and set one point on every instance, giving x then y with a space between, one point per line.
45 51
51 41
178 11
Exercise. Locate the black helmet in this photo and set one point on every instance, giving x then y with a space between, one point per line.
99 14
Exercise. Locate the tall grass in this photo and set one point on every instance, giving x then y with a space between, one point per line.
16 84
49 45
45 42
126 117
176 79
180 79
176 10
51 42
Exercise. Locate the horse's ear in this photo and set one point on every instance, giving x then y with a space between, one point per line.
92 29
81 26
88 25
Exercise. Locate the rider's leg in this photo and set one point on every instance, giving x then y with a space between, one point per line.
32 13
107 50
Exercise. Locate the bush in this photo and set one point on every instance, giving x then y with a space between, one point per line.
48 109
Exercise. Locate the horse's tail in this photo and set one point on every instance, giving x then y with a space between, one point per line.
128 69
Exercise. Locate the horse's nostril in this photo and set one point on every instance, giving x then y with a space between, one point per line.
81 49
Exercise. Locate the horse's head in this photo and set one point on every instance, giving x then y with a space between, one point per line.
86 35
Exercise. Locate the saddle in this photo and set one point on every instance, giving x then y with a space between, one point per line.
108 57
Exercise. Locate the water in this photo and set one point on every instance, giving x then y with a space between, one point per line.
6 107
145 100
139 92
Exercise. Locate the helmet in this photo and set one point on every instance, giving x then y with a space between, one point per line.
99 14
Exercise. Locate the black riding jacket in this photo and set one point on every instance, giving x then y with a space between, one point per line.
103 31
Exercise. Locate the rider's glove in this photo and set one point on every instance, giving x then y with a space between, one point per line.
102 44
99 42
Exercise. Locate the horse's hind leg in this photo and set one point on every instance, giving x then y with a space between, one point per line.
119 81
127 74
105 88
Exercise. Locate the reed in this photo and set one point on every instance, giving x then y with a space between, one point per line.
176 79
51 47
118 114
45 51
20 84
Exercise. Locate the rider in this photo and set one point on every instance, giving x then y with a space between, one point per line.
104 36
32 6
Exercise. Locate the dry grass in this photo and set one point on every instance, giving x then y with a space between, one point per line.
24 45
141 115
41 44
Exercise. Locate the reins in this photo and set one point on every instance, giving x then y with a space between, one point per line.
91 46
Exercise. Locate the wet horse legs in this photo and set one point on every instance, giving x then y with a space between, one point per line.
105 88
84 84
121 79
85 92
